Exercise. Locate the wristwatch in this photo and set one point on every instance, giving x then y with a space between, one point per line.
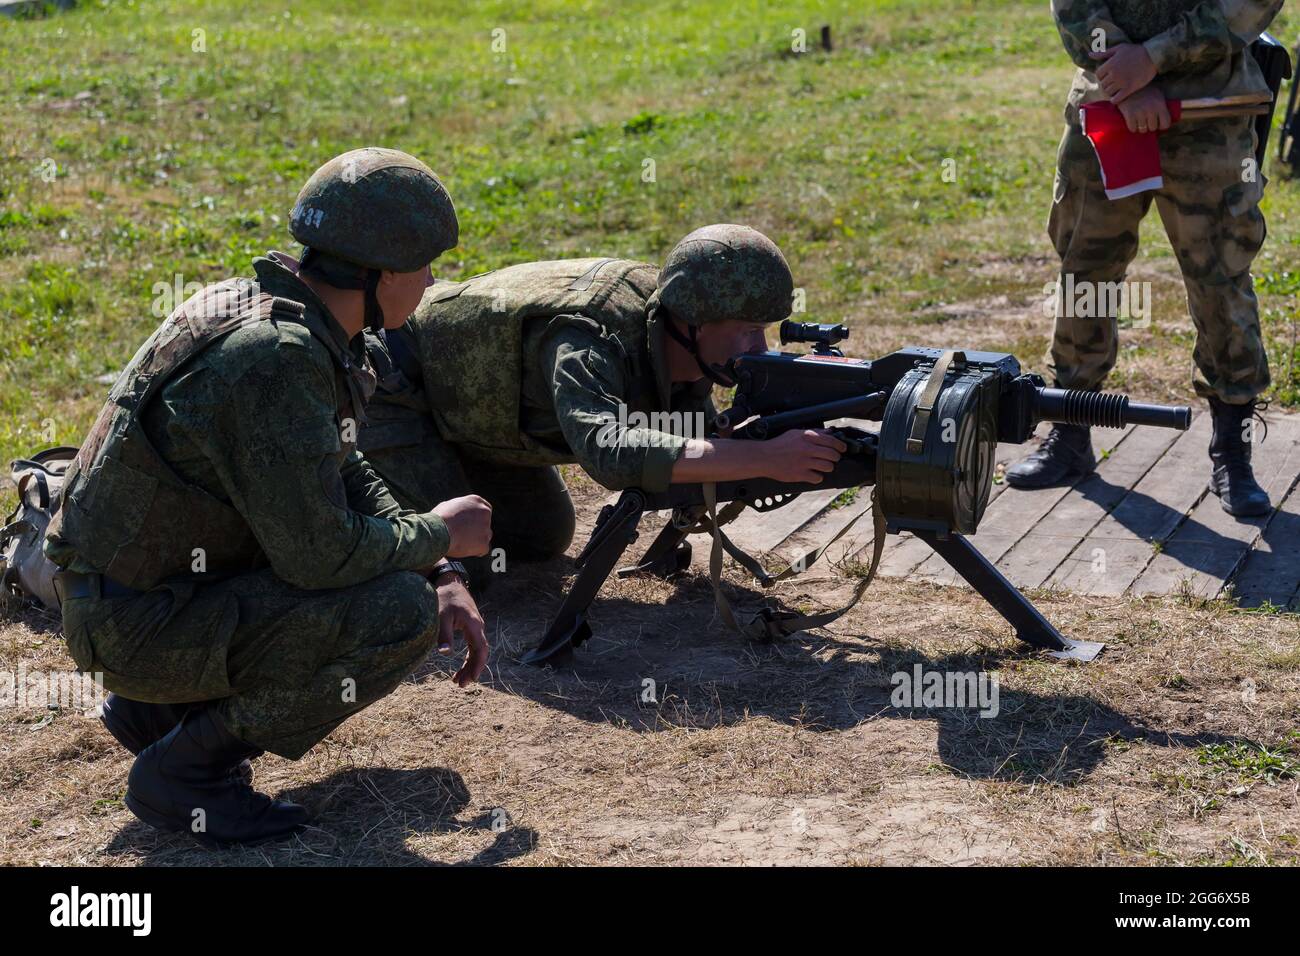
448 566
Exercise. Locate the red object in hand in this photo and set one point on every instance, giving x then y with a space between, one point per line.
1130 162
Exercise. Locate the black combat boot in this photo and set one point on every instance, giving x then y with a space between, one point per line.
135 725
1064 457
187 782
1233 480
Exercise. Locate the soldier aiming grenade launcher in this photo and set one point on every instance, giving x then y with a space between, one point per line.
942 414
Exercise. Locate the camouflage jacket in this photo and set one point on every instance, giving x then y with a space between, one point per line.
1199 47
539 364
227 444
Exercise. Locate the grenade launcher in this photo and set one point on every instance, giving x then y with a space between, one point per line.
942 414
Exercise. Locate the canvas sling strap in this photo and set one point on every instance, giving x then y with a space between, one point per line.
929 396
768 623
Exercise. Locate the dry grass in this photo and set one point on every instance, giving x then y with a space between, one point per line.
785 753
748 753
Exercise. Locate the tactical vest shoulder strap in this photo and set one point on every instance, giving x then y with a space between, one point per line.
133 487
199 333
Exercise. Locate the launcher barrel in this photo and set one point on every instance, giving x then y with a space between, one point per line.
1072 406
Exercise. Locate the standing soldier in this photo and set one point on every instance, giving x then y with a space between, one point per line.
1137 53
231 564
498 379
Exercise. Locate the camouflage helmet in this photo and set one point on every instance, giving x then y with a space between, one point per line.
723 272
376 208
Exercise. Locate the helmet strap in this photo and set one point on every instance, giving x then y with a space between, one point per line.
714 373
374 314
342 274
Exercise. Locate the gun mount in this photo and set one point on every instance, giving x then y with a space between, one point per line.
942 414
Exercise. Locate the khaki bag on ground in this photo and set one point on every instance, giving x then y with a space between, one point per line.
25 571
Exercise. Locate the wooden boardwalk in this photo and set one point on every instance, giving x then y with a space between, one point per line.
1144 523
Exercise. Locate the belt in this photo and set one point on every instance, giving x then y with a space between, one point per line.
72 584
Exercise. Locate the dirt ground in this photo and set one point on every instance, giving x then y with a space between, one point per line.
672 741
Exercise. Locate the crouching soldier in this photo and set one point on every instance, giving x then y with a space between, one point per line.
498 379
231 564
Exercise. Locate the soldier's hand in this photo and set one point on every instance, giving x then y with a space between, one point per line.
1126 69
802 455
458 614
469 520
1146 112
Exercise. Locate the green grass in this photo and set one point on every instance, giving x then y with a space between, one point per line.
174 162
845 498
1252 762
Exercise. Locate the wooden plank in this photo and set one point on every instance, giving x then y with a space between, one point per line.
1032 559
1148 487
758 532
1271 571
829 523
1211 544
1110 558
1006 453
854 545
903 553
1020 510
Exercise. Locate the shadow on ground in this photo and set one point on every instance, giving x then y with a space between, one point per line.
360 817
702 676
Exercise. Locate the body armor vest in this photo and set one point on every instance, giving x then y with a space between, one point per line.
124 510
467 338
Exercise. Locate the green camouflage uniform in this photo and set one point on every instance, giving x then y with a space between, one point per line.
1209 207
498 379
308 609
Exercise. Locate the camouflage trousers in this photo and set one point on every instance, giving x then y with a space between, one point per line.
532 514
1213 221
284 666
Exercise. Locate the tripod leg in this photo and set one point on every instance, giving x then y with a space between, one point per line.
1031 627
667 555
609 540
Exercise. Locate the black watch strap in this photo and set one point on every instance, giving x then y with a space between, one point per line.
448 566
